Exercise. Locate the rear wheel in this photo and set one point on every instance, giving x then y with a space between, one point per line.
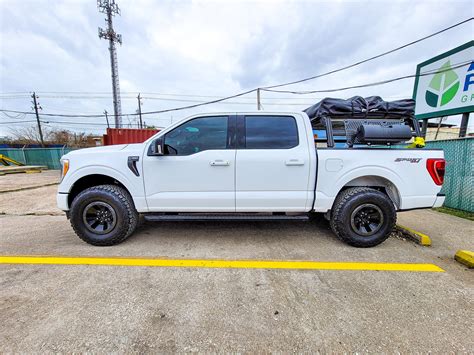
103 215
363 217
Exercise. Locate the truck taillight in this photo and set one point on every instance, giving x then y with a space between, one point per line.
436 168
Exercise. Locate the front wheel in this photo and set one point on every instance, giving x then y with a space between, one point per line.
103 215
363 217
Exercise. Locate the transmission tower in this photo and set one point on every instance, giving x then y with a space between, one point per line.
110 8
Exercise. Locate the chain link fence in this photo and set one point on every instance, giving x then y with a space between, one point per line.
459 179
37 156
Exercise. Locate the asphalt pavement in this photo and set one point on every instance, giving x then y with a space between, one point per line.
66 308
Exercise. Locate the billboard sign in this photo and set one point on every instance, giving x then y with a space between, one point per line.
448 89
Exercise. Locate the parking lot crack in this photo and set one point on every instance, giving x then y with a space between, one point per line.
32 214
28 188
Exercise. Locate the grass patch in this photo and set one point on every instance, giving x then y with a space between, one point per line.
457 213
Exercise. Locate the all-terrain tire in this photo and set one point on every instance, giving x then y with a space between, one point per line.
125 214
344 216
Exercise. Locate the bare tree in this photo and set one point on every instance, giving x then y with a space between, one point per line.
30 135
27 135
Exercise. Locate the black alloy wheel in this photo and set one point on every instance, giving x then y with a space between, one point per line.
99 217
367 219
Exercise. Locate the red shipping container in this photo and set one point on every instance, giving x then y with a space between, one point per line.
127 135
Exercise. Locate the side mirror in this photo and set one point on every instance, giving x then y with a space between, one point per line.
158 147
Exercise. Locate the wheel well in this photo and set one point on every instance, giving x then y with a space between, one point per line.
378 183
90 181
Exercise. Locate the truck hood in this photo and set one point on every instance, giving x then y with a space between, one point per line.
105 149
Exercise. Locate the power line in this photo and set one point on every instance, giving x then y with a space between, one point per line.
44 94
143 113
371 58
17 122
150 98
75 123
371 84
430 72
185 100
22 115
237 103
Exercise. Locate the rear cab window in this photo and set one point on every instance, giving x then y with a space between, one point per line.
270 132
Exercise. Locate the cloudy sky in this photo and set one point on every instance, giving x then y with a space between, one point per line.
177 53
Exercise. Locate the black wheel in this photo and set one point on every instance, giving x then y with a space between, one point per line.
363 217
103 215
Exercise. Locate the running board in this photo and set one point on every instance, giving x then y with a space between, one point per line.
222 217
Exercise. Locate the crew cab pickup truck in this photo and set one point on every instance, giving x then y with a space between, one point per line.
245 166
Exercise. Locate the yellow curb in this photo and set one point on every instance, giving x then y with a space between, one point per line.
215 263
465 257
416 236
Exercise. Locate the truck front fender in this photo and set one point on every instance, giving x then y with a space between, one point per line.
134 187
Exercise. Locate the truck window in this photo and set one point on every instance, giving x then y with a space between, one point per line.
270 132
197 135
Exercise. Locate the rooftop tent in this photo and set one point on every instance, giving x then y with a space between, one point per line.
369 120
359 107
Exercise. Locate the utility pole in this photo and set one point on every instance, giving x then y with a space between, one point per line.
140 110
36 106
110 8
259 106
107 118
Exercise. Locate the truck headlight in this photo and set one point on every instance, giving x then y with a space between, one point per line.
64 167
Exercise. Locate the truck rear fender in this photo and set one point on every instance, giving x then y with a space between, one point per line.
379 183
378 177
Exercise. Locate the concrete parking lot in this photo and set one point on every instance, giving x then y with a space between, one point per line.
143 309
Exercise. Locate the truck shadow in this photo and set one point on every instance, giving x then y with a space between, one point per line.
233 231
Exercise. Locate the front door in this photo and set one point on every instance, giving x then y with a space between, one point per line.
197 172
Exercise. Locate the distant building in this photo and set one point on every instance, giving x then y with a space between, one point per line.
446 131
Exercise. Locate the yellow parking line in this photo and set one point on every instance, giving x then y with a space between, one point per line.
212 263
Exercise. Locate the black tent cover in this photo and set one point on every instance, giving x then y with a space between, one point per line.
359 107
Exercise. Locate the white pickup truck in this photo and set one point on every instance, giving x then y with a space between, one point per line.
245 166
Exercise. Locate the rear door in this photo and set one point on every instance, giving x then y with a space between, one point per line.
272 164
197 172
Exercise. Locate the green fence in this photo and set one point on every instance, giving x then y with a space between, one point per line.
459 179
37 156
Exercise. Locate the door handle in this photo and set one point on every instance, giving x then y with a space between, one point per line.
219 163
294 162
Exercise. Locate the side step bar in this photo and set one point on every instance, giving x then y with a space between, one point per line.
222 217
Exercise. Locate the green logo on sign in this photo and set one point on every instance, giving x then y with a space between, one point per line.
443 87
